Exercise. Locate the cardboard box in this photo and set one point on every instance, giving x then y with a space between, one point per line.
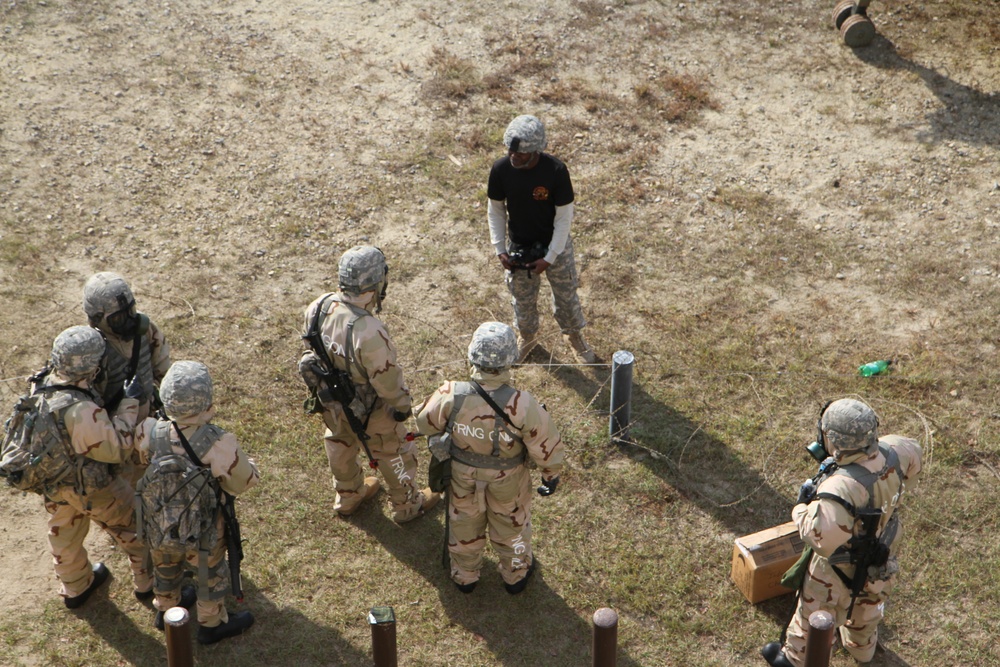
760 560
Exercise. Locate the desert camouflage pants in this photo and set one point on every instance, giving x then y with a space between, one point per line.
562 278
169 572
397 461
823 590
112 508
498 501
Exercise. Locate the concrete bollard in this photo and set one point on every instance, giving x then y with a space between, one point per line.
605 637
622 363
819 639
383 622
177 626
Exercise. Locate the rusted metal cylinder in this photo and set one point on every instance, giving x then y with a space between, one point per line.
820 639
383 622
621 395
605 637
177 625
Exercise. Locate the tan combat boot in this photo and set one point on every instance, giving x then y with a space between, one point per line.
369 489
430 500
526 342
581 348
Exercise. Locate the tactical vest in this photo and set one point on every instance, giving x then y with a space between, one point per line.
493 460
116 366
848 552
364 394
91 475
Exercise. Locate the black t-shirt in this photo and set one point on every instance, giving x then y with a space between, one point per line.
531 195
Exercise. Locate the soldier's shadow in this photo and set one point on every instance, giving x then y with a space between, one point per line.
536 627
965 113
271 641
700 467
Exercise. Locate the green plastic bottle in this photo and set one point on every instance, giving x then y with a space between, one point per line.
874 367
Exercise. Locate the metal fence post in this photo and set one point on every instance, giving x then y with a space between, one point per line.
605 637
819 639
383 622
176 624
622 363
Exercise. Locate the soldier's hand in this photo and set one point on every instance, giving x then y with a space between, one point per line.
133 389
401 416
505 260
548 487
806 492
539 266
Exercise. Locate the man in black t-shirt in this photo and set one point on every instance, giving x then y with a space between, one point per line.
531 204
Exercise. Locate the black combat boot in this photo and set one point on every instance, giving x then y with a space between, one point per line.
466 588
775 656
236 624
519 586
101 575
189 596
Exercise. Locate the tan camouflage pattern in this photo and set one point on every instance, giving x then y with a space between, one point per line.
379 381
826 525
159 353
92 433
566 308
492 503
236 473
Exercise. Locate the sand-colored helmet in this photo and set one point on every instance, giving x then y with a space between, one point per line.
493 346
186 389
77 351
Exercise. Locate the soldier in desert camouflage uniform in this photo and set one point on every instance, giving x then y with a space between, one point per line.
186 391
134 344
490 481
530 200
106 498
358 342
871 473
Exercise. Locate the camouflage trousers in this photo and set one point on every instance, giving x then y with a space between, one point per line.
823 590
562 277
113 509
397 461
169 570
497 501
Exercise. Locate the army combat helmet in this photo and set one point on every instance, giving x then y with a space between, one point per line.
363 269
186 389
110 305
493 346
76 353
849 426
525 134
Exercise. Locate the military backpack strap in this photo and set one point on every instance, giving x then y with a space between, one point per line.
58 405
504 392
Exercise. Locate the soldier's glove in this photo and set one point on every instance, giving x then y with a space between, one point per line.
133 389
401 416
548 487
806 492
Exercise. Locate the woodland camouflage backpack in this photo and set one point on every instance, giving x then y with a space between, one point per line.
177 500
36 454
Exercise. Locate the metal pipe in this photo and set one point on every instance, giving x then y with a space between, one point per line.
383 622
819 639
176 624
622 363
605 637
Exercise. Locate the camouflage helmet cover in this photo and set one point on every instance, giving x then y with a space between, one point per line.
525 134
849 425
362 269
77 352
493 346
105 293
186 389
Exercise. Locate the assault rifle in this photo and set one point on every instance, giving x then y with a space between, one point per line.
868 552
337 383
234 544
